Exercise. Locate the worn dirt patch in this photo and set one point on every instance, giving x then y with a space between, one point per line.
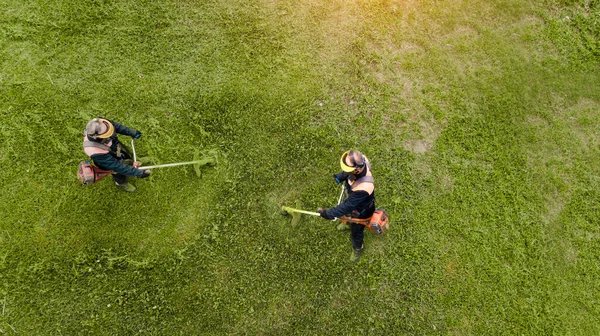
429 131
418 146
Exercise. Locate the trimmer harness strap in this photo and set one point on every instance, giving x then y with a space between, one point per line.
364 179
378 223
97 145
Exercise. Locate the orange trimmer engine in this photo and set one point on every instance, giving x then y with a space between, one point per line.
378 223
90 174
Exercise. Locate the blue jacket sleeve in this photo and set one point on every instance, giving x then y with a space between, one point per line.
122 129
107 161
351 203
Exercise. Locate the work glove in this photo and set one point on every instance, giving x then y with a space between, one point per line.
340 177
146 173
323 213
137 135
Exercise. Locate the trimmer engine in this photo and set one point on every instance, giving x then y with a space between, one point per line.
89 174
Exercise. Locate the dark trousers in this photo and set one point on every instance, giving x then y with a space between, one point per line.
125 156
357 231
357 234
119 178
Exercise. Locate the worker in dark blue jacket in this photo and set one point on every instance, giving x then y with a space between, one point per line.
357 176
101 144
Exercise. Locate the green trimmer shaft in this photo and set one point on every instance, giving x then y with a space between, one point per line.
207 161
210 161
287 210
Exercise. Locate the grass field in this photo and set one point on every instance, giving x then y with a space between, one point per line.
481 120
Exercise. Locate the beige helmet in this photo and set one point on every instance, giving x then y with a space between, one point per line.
99 128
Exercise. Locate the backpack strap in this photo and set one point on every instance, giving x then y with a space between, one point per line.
97 145
364 179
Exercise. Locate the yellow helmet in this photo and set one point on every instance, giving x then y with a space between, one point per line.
356 161
99 128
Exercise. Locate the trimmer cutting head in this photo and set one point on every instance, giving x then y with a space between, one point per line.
285 211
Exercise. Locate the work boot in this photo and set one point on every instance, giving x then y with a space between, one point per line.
126 186
356 254
343 227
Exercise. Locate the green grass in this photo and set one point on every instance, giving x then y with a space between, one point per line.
480 119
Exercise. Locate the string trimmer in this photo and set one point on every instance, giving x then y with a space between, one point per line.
90 174
378 223
198 163
211 161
